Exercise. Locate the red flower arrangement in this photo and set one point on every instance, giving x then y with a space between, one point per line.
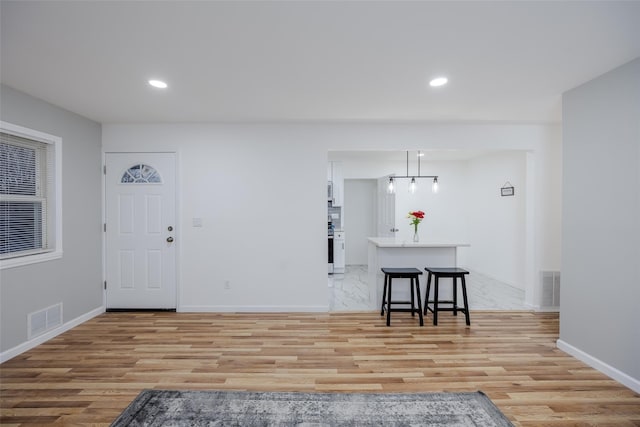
416 217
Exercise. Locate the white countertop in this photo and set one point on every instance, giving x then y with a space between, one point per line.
392 242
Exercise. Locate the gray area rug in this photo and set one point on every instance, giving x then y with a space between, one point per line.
236 408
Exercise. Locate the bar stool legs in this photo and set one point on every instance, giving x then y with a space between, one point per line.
454 274
414 286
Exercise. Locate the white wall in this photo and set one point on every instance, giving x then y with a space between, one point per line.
445 212
75 280
359 214
600 288
245 180
497 225
246 183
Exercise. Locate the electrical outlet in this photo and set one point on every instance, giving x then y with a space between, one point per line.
227 284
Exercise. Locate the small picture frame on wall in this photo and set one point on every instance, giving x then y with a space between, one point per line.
507 189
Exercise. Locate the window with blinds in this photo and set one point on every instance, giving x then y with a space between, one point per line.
27 185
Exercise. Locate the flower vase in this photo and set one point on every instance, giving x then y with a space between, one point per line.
416 237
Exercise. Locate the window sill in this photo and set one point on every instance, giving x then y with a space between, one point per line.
29 259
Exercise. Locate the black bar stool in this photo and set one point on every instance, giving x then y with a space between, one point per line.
455 274
401 273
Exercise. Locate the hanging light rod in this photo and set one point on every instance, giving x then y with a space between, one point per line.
412 185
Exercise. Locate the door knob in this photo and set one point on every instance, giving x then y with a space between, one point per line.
394 230
169 239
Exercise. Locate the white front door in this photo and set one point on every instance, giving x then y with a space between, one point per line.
386 209
140 230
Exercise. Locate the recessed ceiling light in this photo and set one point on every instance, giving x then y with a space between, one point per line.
158 83
438 81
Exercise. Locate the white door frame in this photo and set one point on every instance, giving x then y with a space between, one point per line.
386 208
177 231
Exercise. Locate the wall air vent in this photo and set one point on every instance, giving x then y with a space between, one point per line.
550 297
44 320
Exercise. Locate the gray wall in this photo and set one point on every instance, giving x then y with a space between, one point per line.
75 279
600 289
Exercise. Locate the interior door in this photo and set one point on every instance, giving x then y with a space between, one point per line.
386 209
140 230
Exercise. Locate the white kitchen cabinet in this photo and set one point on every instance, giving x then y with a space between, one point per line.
338 252
334 175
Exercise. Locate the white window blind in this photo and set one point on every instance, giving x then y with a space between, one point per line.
25 174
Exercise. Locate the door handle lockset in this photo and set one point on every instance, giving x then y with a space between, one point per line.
169 239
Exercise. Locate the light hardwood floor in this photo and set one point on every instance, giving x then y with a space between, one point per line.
89 374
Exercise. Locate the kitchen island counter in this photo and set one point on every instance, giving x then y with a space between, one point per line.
392 242
394 252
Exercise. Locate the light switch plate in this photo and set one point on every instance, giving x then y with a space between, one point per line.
196 222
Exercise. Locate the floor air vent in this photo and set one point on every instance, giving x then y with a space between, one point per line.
44 320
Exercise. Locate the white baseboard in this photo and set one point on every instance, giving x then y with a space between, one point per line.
253 308
541 308
608 370
19 349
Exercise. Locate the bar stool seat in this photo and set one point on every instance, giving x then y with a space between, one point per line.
455 274
401 273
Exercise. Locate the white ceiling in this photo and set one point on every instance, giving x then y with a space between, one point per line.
507 61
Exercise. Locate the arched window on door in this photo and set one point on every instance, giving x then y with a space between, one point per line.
141 174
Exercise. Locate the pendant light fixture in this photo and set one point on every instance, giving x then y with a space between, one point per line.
413 186
391 188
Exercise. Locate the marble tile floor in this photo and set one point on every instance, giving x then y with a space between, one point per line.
350 292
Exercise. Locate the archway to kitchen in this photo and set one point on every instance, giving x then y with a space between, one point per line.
469 180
